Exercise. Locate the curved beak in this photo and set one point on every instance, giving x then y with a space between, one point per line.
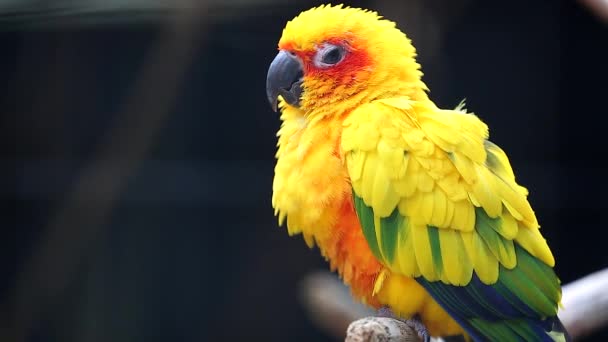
284 78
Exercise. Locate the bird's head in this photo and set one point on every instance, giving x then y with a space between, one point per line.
333 58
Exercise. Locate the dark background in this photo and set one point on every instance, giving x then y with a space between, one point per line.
137 159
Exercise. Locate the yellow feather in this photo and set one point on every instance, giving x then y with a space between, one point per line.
436 167
360 134
516 202
464 167
391 133
464 216
403 103
426 148
470 223
424 181
473 133
292 227
406 254
368 138
462 190
368 178
452 187
384 199
393 289
282 216
440 132
348 141
532 241
484 262
413 168
516 214
506 254
424 257
401 184
355 162
457 266
391 156
484 190
380 281
474 199
503 161
449 214
411 208
413 138
357 186
439 209
508 226
309 239
427 207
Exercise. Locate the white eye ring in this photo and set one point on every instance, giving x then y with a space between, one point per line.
329 55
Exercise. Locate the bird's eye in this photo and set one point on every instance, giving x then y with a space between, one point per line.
329 55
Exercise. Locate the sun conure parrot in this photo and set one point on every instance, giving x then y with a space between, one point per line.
412 204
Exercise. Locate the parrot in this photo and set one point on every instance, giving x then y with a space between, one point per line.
412 205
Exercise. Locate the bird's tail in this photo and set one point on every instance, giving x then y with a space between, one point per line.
548 330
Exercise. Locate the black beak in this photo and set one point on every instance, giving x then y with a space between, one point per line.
284 78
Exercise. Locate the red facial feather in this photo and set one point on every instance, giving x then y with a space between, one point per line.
353 66
356 59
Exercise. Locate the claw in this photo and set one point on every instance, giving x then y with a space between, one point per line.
416 324
386 312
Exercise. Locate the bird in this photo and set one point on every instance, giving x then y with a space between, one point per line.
411 204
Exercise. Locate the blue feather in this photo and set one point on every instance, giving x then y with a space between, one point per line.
493 311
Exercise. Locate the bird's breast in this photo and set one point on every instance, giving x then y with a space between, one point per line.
310 179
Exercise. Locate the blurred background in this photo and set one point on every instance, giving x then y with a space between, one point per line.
138 151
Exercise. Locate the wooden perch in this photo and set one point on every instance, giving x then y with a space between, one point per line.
598 7
585 304
380 329
585 310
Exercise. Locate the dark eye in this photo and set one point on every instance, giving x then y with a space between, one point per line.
333 56
329 55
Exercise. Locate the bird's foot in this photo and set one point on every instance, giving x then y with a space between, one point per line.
386 312
414 323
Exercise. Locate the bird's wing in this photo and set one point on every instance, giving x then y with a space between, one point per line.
438 202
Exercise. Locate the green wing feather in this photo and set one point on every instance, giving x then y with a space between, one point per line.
438 202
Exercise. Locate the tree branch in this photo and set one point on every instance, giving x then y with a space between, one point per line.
585 309
376 329
585 304
598 7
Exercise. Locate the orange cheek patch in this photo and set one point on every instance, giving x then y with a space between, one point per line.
362 75
346 79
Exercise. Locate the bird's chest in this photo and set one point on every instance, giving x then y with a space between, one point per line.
310 179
